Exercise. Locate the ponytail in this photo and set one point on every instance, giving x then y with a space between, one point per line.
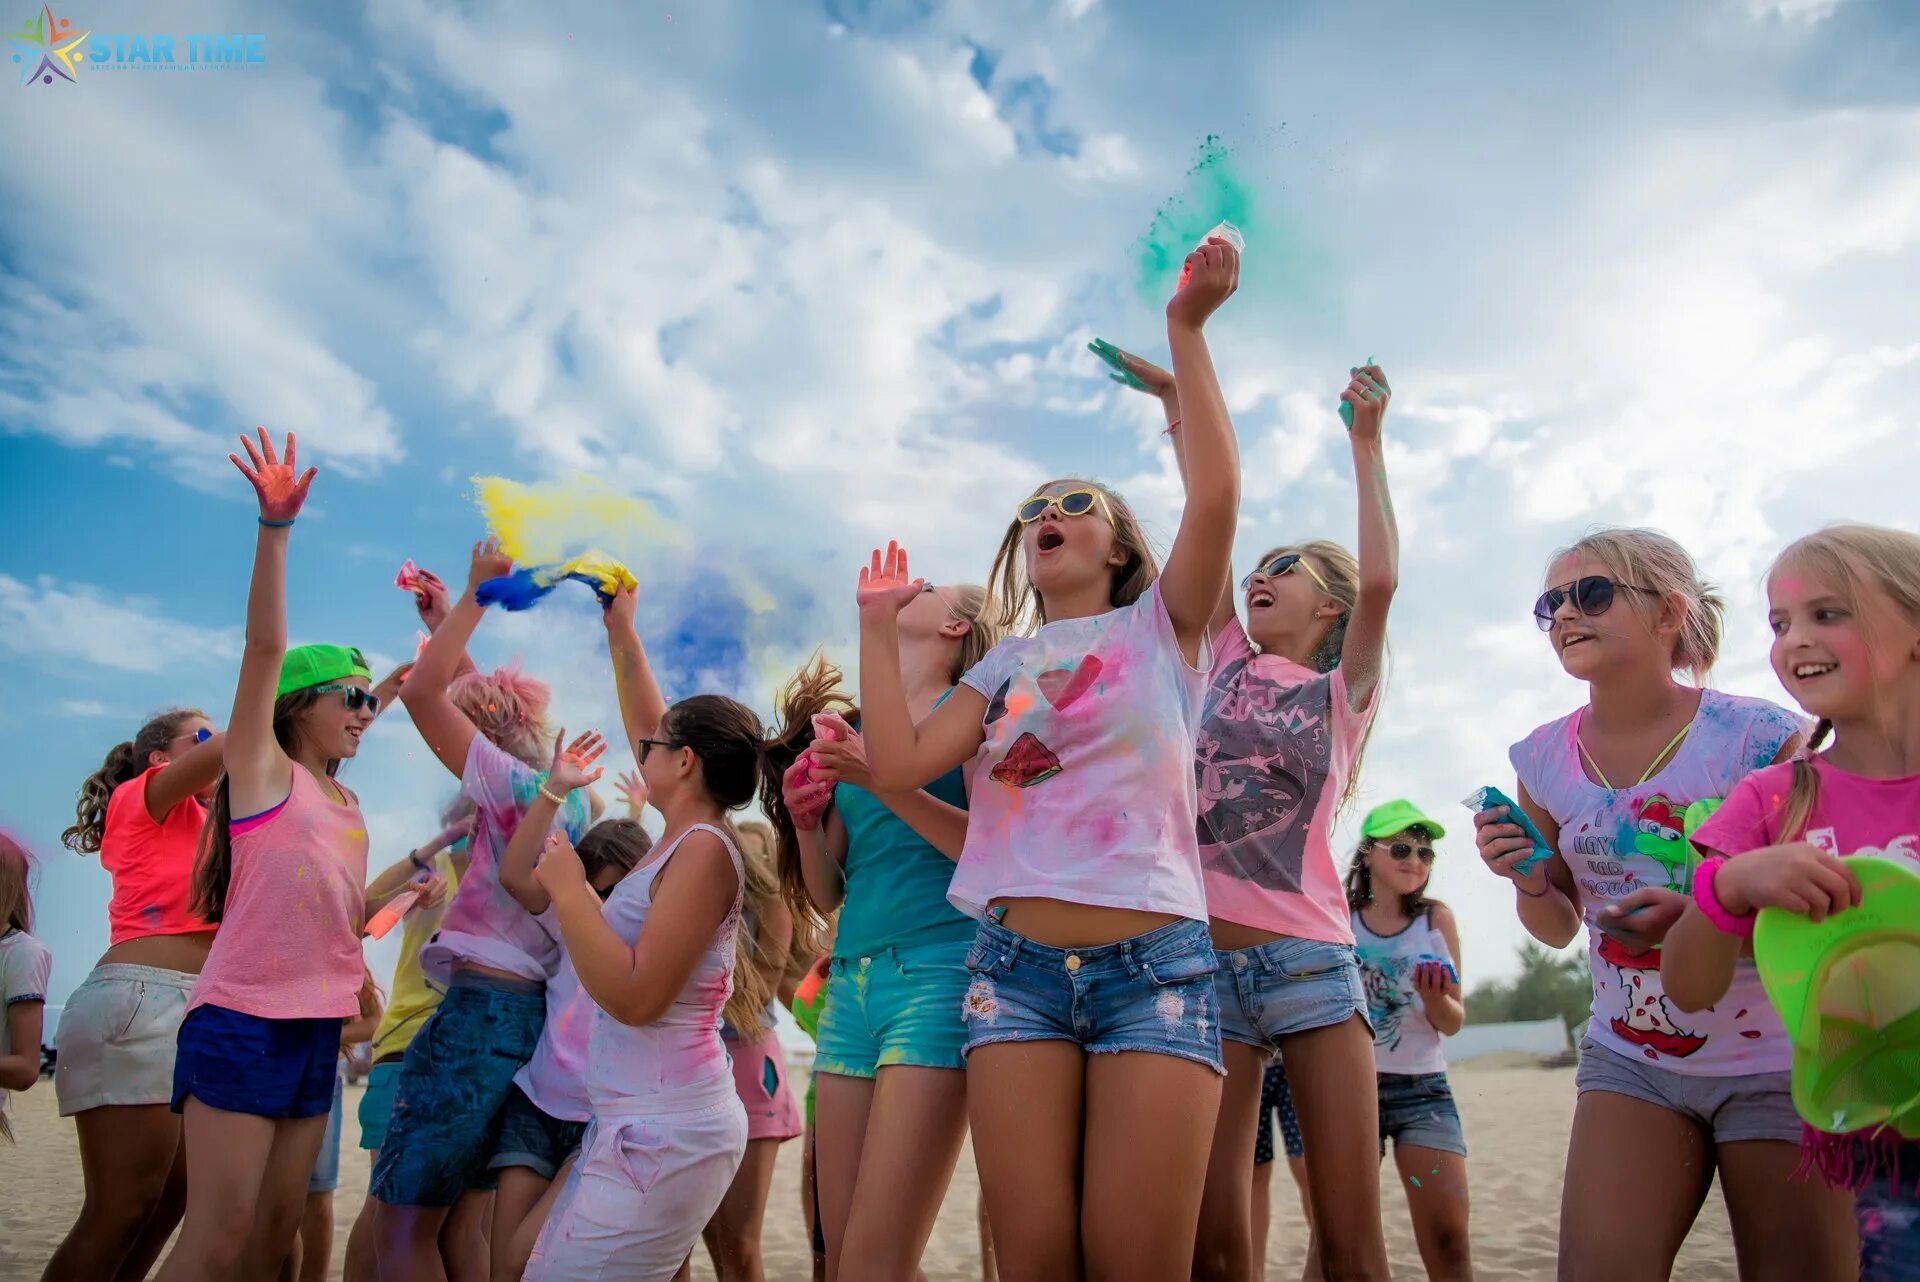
815 688
213 862
125 760
1805 792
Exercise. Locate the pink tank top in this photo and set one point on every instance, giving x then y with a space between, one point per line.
288 946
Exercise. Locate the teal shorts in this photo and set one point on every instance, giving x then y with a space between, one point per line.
376 1105
897 1006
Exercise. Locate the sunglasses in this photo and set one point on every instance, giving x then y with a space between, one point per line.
1285 563
1590 596
1402 852
648 745
1072 503
353 696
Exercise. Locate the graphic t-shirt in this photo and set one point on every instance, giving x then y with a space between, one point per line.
1616 841
1082 789
1852 815
1404 1039
1275 750
485 924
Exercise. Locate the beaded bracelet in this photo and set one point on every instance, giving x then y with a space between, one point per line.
558 801
1709 903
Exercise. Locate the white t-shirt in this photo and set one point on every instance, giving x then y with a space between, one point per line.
25 965
1404 1040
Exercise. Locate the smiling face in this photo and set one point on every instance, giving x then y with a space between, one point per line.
1407 876
1636 630
1290 611
328 726
1839 650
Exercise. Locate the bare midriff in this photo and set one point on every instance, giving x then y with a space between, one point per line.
1230 936
186 953
491 972
1059 924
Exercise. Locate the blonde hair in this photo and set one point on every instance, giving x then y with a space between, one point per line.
1851 560
751 992
970 605
16 897
1019 601
1340 571
1652 561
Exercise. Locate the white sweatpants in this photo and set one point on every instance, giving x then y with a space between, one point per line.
638 1197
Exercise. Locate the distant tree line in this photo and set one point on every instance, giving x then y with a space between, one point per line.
1550 985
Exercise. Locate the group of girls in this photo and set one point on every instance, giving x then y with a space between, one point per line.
1074 849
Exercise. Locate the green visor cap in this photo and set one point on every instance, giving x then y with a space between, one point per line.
1848 991
1397 816
307 666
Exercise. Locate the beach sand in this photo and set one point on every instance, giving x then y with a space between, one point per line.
1517 1119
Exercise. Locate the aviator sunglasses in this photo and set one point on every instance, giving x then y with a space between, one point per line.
353 696
1072 503
1591 596
1285 563
1402 852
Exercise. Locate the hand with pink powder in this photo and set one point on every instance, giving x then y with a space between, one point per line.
886 586
805 798
843 758
280 486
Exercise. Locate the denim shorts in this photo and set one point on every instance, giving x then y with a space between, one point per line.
453 1086
1289 986
376 1103
1756 1106
326 1164
896 1006
241 1063
1152 993
1417 1109
1276 1098
1888 1212
534 1138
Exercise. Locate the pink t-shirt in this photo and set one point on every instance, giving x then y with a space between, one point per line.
555 1079
485 924
1082 789
1852 814
288 946
1275 751
1616 841
151 863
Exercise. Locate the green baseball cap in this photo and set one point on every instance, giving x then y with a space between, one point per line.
1397 816
306 666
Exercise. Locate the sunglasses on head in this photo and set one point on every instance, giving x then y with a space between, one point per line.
648 745
1402 852
353 696
1590 596
1285 563
1072 503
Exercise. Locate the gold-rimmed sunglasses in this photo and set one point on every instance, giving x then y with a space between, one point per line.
1072 503
1285 563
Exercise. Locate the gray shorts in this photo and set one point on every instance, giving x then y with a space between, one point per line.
1757 1106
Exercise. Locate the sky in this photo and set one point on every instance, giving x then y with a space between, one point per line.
809 278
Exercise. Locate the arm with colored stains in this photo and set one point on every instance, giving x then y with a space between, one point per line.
1546 898
572 768
906 756
642 706
1366 639
445 728
1439 991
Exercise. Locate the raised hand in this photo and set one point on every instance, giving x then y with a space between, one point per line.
431 600
281 489
806 798
1799 877
885 586
489 562
1133 371
633 791
573 762
1214 274
1363 406
559 869
620 609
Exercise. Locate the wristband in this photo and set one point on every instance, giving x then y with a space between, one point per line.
413 857
276 525
558 801
1709 903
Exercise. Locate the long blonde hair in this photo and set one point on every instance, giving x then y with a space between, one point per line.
1339 571
1020 606
1651 560
1850 559
16 897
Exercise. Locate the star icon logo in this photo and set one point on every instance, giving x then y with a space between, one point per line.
46 47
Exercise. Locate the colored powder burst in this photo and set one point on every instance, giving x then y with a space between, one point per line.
554 521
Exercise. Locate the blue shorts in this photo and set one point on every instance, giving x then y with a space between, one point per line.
265 1067
1289 986
897 1006
376 1103
533 1138
1276 1098
1151 993
452 1088
326 1164
1418 1109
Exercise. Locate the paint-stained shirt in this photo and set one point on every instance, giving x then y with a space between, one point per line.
1082 789
151 863
555 1079
485 924
1276 748
1852 815
1616 841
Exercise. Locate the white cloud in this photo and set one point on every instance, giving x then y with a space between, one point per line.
85 708
57 623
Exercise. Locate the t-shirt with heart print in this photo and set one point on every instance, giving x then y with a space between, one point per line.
1082 789
1276 747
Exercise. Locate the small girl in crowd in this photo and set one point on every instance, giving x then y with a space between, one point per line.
1666 1097
254 1071
25 965
1093 1049
1409 951
1844 606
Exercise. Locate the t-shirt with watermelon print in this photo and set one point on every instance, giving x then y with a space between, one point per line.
1083 787
1619 840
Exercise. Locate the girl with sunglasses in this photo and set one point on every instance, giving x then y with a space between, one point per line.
1093 1051
1666 1097
492 955
281 872
1409 950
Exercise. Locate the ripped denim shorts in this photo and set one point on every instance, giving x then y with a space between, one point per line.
1151 993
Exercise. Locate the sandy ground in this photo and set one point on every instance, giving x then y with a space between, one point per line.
1517 1120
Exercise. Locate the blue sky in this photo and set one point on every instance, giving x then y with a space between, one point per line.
810 278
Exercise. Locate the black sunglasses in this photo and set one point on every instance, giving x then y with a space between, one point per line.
648 745
1402 852
1591 595
353 696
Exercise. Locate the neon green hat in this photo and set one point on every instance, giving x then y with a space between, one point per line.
1397 816
306 666
1848 991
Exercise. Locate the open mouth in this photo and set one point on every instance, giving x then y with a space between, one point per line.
1573 639
1809 671
1259 599
1050 539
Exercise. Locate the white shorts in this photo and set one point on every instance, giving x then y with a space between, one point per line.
117 1037
638 1197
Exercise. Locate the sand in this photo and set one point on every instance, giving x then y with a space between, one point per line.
1517 1120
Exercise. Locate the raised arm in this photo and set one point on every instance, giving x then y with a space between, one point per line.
1360 655
258 771
444 727
642 706
908 756
187 775
572 768
1199 569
